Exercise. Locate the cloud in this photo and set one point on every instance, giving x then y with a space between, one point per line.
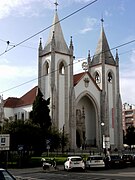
77 1
16 80
77 68
107 13
121 7
126 85
29 7
127 80
3 61
8 72
21 7
89 25
133 57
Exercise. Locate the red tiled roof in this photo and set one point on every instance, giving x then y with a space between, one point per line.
11 102
26 99
77 77
29 97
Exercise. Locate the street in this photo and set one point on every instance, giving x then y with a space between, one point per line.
38 174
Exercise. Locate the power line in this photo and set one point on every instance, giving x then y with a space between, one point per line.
30 37
116 47
8 43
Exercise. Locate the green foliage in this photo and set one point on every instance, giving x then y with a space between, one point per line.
55 138
23 133
40 112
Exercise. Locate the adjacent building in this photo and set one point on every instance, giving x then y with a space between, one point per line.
128 116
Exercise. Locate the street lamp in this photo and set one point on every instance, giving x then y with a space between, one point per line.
102 135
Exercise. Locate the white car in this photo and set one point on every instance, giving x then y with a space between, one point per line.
74 162
95 161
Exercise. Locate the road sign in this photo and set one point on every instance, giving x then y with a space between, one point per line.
4 141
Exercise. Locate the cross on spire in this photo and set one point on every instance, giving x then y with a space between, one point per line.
56 4
102 20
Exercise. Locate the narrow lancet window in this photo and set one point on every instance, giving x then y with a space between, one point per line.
97 78
110 77
62 68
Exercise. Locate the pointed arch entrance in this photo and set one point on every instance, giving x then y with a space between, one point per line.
86 122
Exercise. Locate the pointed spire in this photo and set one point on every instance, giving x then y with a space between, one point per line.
117 57
60 43
71 47
102 22
103 53
40 44
89 58
53 41
89 61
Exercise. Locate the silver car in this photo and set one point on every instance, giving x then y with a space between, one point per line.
95 161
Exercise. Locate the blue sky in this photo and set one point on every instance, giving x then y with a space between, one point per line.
20 19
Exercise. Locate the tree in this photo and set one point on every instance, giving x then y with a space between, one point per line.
23 133
58 139
40 112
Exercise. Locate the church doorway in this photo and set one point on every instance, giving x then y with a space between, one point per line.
86 122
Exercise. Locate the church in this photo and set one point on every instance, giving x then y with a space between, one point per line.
86 106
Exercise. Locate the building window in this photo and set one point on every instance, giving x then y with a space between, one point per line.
15 116
109 77
97 78
18 115
61 69
29 116
46 68
22 116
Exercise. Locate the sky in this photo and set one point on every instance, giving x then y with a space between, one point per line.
24 22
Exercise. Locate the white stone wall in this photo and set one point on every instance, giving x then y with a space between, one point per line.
92 89
11 112
8 112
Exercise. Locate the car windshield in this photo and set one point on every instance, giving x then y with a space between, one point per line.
76 159
96 158
115 157
126 156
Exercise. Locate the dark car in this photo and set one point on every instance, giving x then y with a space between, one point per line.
114 161
5 175
128 159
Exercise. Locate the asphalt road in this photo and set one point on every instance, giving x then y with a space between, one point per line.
39 174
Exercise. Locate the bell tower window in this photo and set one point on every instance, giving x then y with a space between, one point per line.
46 68
97 78
61 69
109 77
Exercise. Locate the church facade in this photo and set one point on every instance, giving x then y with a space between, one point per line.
87 106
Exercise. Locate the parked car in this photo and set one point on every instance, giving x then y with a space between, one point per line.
114 161
128 159
95 161
74 162
5 175
48 163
